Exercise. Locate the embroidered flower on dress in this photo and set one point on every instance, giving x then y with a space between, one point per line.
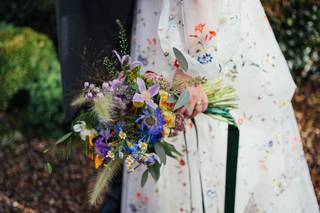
204 59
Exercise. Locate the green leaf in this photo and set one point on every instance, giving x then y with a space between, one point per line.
182 100
144 178
49 168
170 150
63 138
47 149
181 59
160 152
155 171
69 149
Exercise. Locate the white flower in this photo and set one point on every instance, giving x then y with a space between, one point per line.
79 126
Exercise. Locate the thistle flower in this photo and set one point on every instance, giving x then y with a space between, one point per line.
152 124
145 95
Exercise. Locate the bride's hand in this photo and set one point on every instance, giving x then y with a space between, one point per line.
198 102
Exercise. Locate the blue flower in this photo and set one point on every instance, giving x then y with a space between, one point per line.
151 159
134 148
206 58
152 124
146 159
118 127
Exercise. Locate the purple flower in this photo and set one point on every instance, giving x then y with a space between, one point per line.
126 60
150 160
112 85
145 95
102 148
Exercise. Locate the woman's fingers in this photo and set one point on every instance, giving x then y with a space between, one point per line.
198 103
197 109
204 103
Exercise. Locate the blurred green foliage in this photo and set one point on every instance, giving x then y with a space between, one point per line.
30 76
45 112
23 54
296 24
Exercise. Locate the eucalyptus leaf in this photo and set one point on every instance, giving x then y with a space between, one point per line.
171 99
181 59
182 100
144 178
170 150
155 171
64 138
160 152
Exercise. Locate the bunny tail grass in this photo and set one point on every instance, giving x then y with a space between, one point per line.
101 183
103 107
78 101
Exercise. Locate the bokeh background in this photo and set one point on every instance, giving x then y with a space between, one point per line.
31 114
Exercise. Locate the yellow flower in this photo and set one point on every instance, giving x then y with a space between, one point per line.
133 75
130 168
110 155
98 161
163 99
143 146
91 137
166 131
169 117
122 135
142 158
129 160
129 144
138 104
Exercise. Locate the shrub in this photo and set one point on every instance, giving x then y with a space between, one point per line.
30 76
45 112
23 54
296 26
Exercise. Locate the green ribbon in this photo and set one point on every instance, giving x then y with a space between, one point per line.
231 168
232 157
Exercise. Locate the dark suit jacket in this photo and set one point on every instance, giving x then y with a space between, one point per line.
86 32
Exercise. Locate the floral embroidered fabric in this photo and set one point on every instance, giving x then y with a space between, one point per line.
231 40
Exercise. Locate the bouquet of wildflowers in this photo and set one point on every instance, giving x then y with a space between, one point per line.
130 117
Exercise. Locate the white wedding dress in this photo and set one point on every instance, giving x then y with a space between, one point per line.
231 40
